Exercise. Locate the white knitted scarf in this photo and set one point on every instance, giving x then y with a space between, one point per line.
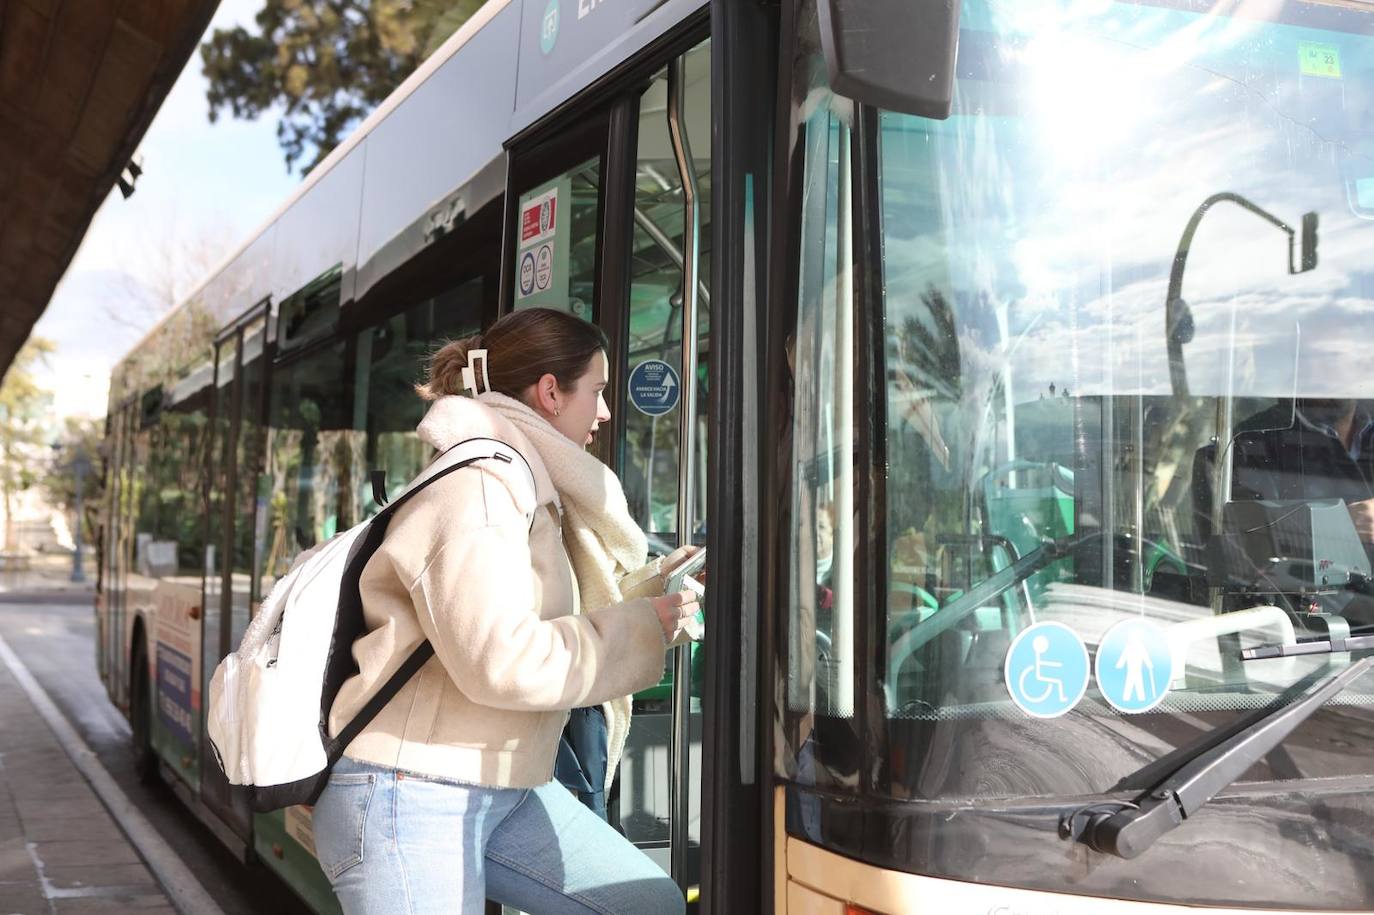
604 543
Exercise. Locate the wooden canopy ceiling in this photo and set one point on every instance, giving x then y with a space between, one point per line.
80 81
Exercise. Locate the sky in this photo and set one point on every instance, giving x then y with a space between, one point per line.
204 189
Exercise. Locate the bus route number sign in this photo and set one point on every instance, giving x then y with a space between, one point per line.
1322 60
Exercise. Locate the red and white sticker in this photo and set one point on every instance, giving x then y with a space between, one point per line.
539 217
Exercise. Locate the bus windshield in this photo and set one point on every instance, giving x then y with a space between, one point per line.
1128 418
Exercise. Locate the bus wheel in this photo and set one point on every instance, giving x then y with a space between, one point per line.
141 719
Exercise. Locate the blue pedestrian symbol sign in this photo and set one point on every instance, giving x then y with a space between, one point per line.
1046 670
1134 665
654 387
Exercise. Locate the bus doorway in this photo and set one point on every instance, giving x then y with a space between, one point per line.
230 590
610 221
662 459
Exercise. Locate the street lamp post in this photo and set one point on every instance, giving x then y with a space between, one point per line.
1178 317
81 466
1179 329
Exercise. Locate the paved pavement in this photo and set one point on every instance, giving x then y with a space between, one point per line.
47 622
60 851
50 573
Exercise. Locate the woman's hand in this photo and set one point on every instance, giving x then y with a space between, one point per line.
674 610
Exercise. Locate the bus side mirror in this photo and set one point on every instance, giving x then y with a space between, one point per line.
893 54
1309 242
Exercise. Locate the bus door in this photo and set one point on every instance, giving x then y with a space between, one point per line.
114 568
667 300
118 547
230 589
599 224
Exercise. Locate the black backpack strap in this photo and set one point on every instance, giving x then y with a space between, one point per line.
373 707
499 451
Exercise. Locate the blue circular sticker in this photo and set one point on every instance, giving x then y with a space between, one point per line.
548 27
1134 666
1046 670
654 387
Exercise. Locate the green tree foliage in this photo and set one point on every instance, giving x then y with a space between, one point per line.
23 409
324 64
80 438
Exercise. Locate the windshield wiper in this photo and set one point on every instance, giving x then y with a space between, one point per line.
1127 829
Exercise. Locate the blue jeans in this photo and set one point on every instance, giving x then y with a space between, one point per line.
396 842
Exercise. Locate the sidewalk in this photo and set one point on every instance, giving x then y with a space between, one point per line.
60 851
50 573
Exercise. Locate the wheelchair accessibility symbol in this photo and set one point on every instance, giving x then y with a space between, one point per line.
1046 670
1134 665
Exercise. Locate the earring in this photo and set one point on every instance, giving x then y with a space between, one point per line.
557 412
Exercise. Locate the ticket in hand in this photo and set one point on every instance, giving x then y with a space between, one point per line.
680 579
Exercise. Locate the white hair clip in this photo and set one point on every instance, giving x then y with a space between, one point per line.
470 372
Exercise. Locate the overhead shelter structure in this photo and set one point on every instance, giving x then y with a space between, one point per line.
80 81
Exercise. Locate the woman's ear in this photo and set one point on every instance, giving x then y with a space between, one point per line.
546 394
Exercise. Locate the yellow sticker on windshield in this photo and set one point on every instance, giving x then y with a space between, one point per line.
1319 59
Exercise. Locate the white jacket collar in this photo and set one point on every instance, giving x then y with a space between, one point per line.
455 418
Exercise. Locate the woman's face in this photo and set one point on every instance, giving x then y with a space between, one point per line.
583 409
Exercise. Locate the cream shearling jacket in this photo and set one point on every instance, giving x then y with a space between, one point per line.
462 566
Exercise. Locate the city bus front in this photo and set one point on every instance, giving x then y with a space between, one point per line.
1076 395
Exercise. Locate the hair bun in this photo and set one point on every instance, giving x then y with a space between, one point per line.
523 347
446 368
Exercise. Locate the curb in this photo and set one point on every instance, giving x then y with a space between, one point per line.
177 881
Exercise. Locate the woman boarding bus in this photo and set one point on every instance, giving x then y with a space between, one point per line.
447 797
1021 342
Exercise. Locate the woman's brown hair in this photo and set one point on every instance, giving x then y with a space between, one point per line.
522 347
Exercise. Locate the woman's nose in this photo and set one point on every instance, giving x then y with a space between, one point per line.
603 410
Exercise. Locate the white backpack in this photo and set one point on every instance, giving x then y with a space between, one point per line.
268 717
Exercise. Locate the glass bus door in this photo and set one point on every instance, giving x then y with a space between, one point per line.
668 290
230 589
118 546
601 226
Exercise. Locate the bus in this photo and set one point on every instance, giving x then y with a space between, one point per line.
1006 354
